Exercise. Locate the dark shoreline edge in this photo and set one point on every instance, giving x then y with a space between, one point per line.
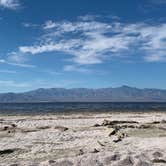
90 113
81 102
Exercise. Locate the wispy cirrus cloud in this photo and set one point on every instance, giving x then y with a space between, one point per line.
16 59
91 41
158 2
30 25
4 61
75 68
151 6
10 4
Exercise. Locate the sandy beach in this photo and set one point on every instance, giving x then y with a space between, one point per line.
116 139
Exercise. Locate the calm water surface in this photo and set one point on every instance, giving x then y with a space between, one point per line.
66 107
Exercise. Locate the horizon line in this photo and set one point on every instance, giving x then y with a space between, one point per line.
122 86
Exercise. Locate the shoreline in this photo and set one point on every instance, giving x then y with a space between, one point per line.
69 113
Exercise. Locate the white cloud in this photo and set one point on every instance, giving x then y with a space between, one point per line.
16 57
30 25
3 61
88 17
90 42
49 24
10 4
156 57
21 65
75 68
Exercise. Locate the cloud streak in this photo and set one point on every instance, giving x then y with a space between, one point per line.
158 2
72 68
3 61
10 4
90 41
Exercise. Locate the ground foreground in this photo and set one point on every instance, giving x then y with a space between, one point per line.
117 139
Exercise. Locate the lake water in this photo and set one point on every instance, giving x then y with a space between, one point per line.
68 107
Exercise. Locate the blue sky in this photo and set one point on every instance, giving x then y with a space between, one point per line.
82 43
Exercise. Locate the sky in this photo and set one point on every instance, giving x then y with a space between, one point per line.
82 43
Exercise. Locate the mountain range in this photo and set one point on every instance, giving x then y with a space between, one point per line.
119 94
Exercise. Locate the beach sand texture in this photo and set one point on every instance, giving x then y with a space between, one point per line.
115 139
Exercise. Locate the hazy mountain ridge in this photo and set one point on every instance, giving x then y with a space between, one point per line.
123 93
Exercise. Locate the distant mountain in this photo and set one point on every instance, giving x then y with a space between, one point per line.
119 94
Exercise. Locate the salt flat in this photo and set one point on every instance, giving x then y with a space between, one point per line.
116 139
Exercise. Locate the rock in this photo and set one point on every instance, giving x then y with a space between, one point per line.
156 122
163 121
61 128
122 135
6 128
143 163
159 161
95 151
128 126
112 131
145 126
29 130
51 161
108 122
10 151
157 154
128 161
81 152
100 143
118 139
14 125
43 127
96 125
162 128
6 151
